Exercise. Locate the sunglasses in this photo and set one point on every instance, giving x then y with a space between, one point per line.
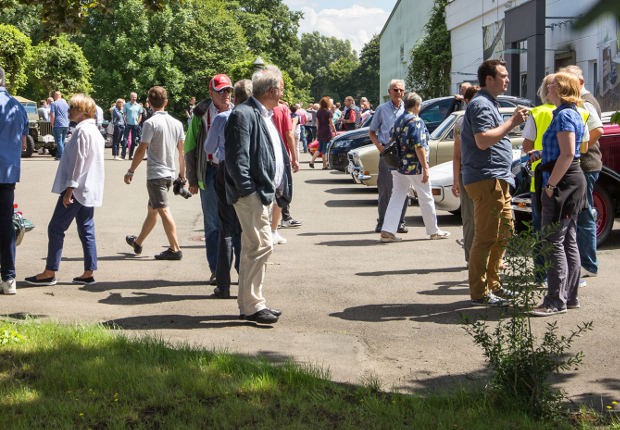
398 90
224 91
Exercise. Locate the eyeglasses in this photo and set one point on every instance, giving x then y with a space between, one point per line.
398 90
224 91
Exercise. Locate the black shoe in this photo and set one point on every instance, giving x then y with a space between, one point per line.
276 312
378 228
212 279
84 281
222 293
131 241
263 316
169 254
402 228
32 280
311 165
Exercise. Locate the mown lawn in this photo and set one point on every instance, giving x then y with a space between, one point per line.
80 377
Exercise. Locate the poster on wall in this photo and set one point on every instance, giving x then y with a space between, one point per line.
493 40
609 81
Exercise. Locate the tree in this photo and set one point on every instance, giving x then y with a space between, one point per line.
340 78
14 56
366 76
58 65
26 18
430 60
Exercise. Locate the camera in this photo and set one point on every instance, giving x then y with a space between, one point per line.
177 188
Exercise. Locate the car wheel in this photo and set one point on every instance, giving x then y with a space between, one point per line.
29 147
52 151
605 212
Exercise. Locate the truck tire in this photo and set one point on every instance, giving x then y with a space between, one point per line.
605 213
29 147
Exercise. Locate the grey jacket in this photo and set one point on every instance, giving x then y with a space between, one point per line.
250 160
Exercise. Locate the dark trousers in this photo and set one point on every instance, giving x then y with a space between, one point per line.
117 138
384 186
136 133
229 241
304 139
7 232
60 222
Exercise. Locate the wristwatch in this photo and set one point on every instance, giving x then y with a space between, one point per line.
551 187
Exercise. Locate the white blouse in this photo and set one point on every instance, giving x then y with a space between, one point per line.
81 165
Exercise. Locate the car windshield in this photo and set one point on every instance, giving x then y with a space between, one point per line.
447 123
30 108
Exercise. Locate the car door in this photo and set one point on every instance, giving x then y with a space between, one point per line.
441 144
434 113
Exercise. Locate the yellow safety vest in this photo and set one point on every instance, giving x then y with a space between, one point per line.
542 116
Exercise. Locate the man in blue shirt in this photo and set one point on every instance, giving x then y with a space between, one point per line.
59 117
382 122
13 132
133 115
486 153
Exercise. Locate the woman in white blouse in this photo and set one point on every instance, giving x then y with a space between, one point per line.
79 181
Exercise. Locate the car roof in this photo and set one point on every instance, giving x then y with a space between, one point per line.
351 134
515 99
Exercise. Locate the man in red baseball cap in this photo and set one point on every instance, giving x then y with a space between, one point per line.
201 167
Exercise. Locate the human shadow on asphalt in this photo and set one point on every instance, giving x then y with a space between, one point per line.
424 382
602 398
332 181
23 316
140 298
448 289
350 203
334 233
352 190
439 313
412 271
180 322
362 242
442 220
140 285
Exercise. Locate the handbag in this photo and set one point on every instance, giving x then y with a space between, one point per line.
391 152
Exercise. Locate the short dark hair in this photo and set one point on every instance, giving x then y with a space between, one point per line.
470 92
488 68
157 97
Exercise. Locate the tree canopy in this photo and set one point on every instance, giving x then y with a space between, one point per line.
14 56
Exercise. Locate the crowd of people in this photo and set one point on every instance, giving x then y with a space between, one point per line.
240 156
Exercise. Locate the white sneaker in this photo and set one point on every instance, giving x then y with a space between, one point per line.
277 239
587 274
8 287
440 235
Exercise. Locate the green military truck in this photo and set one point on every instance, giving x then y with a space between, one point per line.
39 133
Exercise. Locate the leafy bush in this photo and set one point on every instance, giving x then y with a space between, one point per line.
520 361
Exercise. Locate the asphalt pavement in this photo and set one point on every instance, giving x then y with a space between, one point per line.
351 305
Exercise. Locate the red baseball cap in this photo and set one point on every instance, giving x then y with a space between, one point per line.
219 82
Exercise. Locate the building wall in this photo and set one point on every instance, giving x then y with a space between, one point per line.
401 32
593 49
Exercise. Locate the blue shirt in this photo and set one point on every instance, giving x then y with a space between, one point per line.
60 109
132 111
411 132
13 125
117 116
565 118
482 114
385 117
214 143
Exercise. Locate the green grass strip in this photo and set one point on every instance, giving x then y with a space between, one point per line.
80 377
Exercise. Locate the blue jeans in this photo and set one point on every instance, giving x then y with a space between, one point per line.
60 134
7 232
586 228
60 222
539 259
208 199
117 139
304 139
136 132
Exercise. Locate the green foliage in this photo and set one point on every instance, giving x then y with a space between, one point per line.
615 118
340 77
430 59
27 18
366 76
521 362
14 56
58 65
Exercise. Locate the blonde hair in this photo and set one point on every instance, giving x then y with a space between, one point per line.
569 88
84 104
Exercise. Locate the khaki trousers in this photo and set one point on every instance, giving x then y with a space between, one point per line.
256 247
493 227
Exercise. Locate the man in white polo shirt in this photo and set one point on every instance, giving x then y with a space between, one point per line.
161 135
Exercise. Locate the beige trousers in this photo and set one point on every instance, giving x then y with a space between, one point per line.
256 247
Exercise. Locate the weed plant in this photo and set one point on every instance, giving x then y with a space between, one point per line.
521 362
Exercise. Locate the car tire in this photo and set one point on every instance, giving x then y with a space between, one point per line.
52 151
606 211
29 147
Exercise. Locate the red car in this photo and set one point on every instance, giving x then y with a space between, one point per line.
606 193
314 145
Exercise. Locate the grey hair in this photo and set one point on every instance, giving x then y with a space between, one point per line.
266 79
243 90
573 70
543 92
412 99
1 77
396 81
132 93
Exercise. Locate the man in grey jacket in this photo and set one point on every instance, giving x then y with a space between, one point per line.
257 165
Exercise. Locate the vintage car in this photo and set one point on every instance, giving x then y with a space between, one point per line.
606 194
39 131
314 145
364 162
